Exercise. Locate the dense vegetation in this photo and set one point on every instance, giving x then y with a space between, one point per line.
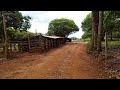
15 22
96 26
62 27
13 25
111 24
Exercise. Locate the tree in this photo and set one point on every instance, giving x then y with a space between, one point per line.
12 19
90 28
86 35
87 26
62 27
16 20
22 35
112 22
107 21
5 33
95 15
87 23
100 29
26 23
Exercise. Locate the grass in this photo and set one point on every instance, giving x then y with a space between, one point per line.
86 40
112 44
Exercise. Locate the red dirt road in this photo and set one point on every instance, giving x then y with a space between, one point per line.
67 62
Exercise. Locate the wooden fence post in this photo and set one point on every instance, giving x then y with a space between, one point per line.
10 47
29 42
39 41
51 46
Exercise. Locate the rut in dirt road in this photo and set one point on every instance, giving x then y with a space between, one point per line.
67 62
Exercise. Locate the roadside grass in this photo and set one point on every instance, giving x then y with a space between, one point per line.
112 44
85 40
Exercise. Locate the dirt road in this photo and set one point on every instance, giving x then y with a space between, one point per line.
67 62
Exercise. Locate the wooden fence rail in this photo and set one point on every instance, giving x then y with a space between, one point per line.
39 43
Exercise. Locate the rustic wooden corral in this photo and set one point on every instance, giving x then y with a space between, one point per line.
40 43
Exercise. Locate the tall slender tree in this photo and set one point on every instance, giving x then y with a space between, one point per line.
5 34
95 21
100 29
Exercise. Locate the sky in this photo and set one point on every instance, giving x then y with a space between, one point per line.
41 19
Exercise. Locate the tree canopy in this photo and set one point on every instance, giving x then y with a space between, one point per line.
14 21
62 27
87 26
111 24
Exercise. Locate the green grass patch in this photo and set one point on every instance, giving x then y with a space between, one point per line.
112 44
86 40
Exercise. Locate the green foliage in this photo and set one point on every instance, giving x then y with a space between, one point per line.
111 21
17 34
87 23
86 39
13 19
111 24
86 35
87 26
11 32
112 44
62 27
116 34
15 22
26 23
23 34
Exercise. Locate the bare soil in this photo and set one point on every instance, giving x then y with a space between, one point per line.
67 62
113 63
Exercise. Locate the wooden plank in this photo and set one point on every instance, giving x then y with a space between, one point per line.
18 42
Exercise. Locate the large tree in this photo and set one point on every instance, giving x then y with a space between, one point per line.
62 27
87 23
16 21
87 26
12 19
107 21
3 15
26 23
95 21
111 24
100 29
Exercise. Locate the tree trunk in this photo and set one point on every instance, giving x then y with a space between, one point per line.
10 47
92 40
100 29
5 36
103 33
94 28
111 36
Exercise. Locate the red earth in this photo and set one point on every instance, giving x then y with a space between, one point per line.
67 62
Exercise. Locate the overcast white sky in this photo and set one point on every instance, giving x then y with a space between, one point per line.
41 19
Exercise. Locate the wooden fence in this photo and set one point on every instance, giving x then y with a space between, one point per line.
40 43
